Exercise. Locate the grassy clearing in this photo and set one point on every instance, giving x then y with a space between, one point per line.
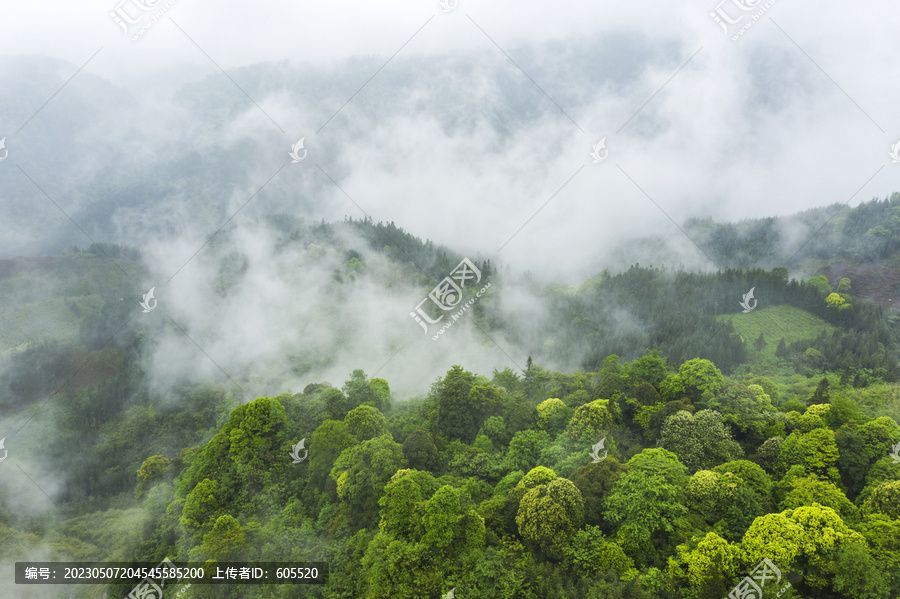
50 302
774 322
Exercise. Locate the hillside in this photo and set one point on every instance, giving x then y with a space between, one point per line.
449 300
874 282
404 493
772 324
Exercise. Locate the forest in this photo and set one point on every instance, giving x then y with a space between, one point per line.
487 485
451 299
670 460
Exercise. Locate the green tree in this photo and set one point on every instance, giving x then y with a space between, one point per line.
775 537
552 415
707 567
257 431
455 417
537 476
611 380
394 568
820 284
151 470
654 419
495 429
336 403
883 471
596 481
853 462
749 410
835 301
879 435
382 392
882 535
708 493
808 421
484 401
365 422
781 351
592 554
473 531
760 343
640 405
403 502
823 534
441 520
227 541
857 574
535 379
885 499
844 285
519 413
696 379
751 475
821 394
589 421
741 511
781 274
651 368
507 379
699 440
646 395
420 451
550 514
327 442
359 391
362 471
647 504
843 410
816 451
808 490
767 453
525 449
813 359
202 504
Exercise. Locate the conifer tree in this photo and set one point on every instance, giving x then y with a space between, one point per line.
760 342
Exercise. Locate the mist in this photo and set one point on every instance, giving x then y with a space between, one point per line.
472 129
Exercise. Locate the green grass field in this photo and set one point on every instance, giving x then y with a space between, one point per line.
774 322
33 303
46 319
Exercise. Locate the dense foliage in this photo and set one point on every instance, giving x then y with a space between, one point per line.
719 449
405 503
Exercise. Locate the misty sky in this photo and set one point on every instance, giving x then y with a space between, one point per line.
745 128
476 134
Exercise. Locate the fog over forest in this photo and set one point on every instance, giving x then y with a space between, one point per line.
293 179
